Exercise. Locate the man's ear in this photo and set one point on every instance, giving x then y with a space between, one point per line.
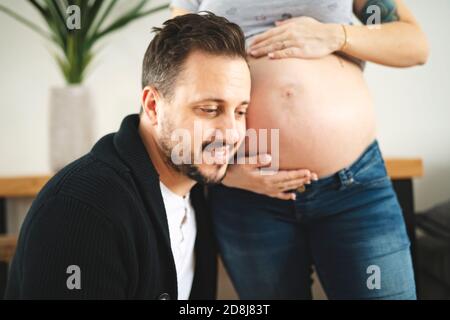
149 100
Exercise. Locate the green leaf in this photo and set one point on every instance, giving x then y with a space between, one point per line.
98 25
40 8
153 10
123 20
92 11
57 20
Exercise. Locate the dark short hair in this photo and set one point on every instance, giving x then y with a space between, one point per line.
182 35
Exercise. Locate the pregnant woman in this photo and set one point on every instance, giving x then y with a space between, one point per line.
306 61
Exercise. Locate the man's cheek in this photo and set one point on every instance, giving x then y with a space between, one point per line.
242 132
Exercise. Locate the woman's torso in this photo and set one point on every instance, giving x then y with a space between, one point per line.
322 107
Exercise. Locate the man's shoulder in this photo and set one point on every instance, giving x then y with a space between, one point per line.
93 183
78 218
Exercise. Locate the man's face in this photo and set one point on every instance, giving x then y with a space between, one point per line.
202 125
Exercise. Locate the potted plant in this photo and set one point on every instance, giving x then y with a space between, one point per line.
75 27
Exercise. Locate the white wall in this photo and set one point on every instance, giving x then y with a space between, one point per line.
413 105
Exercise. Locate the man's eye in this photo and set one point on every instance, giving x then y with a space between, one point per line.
208 111
241 113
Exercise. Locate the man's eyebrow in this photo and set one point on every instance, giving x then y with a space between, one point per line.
219 101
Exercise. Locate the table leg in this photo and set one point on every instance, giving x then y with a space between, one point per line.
405 195
3 265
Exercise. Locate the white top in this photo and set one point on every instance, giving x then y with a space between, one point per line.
183 231
255 17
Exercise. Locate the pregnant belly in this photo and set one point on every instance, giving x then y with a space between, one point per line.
320 109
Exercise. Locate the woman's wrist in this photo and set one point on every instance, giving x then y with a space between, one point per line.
345 32
339 37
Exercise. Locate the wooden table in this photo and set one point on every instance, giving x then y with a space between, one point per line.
401 171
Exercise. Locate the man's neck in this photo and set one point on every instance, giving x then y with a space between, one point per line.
172 179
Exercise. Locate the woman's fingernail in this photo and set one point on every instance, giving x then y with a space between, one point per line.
271 55
294 196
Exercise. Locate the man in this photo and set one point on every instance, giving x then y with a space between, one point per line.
126 221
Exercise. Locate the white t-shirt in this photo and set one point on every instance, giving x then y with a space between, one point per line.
255 17
183 231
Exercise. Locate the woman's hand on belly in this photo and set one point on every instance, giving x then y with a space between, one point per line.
279 184
301 37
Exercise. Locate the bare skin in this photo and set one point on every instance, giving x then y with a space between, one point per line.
324 123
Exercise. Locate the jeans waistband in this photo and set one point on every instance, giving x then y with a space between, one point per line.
345 175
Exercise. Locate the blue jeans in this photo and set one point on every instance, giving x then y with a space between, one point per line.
349 226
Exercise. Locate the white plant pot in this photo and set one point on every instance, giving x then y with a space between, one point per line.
71 124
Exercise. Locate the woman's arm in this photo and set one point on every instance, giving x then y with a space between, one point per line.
396 41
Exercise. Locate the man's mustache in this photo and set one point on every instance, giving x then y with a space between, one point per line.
216 144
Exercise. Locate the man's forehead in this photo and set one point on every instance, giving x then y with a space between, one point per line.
205 64
213 77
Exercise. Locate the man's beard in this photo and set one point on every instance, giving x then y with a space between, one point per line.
191 169
193 172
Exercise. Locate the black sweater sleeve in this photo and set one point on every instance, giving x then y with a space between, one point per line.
68 250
